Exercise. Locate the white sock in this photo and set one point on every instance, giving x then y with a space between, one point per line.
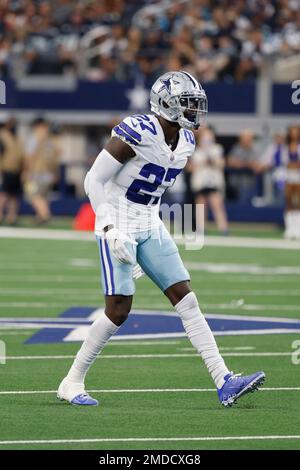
201 337
98 335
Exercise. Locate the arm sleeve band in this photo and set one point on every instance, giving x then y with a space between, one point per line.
103 169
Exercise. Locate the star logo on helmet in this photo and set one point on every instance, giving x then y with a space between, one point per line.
167 83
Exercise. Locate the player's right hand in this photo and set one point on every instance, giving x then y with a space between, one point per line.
137 272
116 242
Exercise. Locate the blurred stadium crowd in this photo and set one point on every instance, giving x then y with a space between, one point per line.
125 39
215 40
250 171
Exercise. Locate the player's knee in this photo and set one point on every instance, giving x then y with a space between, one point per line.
178 291
118 309
121 314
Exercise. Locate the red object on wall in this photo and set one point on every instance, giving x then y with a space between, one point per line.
85 218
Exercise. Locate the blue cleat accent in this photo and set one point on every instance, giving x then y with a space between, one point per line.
84 399
236 386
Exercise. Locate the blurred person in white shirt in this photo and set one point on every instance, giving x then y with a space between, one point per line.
207 179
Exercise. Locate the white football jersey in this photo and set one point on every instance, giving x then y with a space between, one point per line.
134 192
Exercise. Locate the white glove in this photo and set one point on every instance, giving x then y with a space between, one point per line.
116 242
137 272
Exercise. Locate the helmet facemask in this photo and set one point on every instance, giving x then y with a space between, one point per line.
193 110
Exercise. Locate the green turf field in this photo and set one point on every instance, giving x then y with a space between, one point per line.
164 399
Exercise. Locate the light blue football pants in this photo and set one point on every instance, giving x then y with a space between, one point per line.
156 253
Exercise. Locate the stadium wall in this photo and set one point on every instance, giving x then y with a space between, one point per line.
262 106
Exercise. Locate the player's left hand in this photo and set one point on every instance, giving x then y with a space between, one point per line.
137 272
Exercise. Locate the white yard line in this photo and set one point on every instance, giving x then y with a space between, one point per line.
245 306
254 269
45 234
150 439
149 356
238 348
249 242
252 318
146 390
241 242
79 292
270 331
143 343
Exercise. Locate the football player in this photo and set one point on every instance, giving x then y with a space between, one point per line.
139 162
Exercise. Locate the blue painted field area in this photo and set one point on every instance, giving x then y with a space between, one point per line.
73 323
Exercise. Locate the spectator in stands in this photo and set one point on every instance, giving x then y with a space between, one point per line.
42 160
292 189
293 143
274 161
242 155
11 165
214 40
246 165
207 179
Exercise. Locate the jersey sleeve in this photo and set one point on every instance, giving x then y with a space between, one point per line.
130 132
